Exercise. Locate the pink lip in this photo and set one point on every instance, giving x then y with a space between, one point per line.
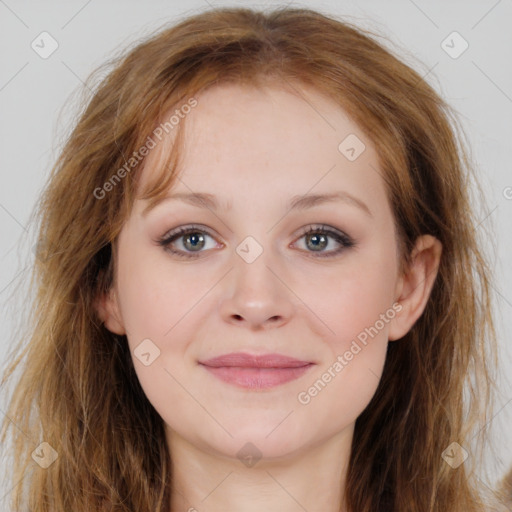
256 372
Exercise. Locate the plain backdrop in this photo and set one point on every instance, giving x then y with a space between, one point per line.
470 69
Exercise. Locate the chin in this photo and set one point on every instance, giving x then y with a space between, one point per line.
257 439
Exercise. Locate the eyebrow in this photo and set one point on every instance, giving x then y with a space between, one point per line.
304 202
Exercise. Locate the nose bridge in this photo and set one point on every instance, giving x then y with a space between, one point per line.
256 295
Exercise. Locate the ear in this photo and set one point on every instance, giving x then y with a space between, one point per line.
107 308
415 284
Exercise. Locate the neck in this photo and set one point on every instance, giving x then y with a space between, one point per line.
312 479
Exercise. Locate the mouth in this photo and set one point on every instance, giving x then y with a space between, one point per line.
256 372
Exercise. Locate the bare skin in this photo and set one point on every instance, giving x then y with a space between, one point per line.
254 150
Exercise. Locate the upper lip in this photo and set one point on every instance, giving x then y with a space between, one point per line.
240 359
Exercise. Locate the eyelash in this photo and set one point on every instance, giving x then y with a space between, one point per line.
343 239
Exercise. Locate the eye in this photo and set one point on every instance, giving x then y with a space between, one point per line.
318 238
190 239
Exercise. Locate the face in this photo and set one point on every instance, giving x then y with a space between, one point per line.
261 313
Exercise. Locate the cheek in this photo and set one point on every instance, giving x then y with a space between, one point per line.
154 297
358 308
155 307
159 307
357 302
147 303
337 395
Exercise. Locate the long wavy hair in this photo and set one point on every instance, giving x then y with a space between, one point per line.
77 388
505 490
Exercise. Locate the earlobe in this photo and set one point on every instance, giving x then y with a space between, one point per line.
415 285
107 308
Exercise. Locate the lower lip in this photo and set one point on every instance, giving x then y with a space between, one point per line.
257 378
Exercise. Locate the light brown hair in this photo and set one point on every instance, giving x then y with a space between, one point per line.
78 390
505 490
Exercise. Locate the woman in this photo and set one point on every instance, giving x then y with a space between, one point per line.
295 327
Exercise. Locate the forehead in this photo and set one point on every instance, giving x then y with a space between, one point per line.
275 140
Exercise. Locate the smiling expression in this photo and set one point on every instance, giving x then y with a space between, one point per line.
272 247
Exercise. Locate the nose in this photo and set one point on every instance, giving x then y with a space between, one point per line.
256 295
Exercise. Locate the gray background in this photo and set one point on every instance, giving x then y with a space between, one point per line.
33 122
